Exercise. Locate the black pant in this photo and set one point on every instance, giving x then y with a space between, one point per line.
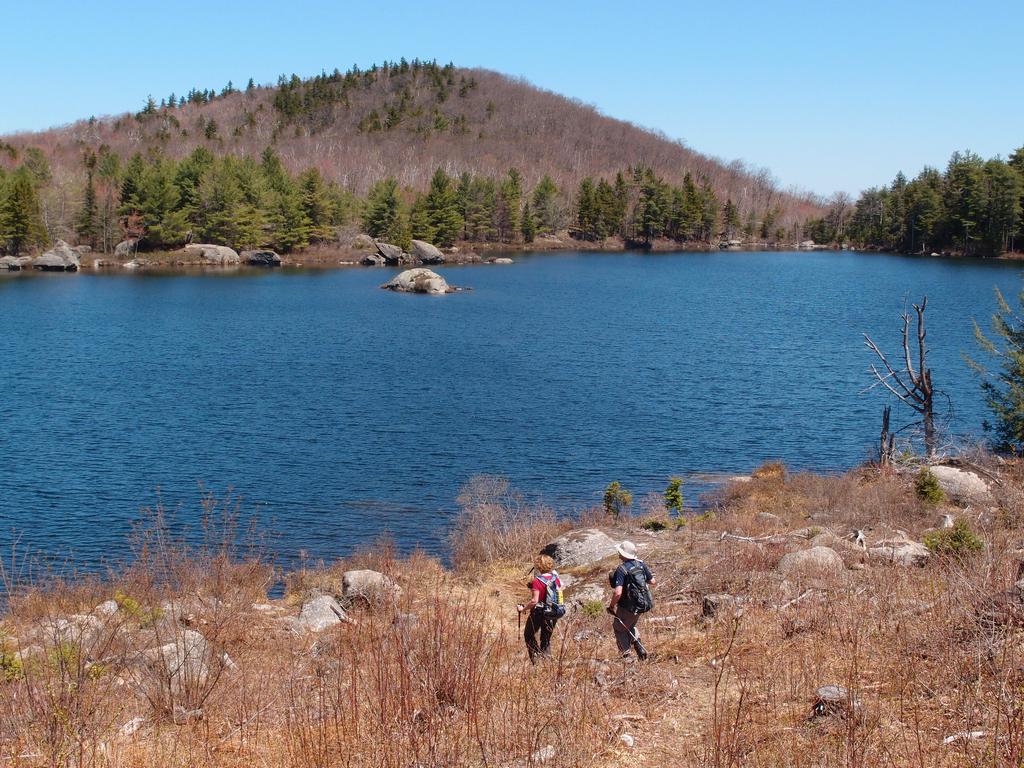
546 624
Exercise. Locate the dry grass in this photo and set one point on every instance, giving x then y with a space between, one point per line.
436 675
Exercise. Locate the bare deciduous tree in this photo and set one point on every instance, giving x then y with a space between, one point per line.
912 386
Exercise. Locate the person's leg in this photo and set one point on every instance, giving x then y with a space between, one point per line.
547 628
530 634
623 624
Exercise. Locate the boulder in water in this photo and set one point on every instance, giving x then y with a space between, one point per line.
213 254
61 258
373 260
392 254
261 258
10 263
418 281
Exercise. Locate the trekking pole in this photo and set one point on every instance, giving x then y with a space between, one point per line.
634 636
519 617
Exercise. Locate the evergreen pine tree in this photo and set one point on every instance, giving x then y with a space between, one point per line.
442 210
382 211
529 228
545 205
21 223
508 204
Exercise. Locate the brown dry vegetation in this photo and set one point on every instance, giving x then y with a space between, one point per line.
436 675
508 123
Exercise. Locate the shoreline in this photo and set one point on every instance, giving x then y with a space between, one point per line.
462 254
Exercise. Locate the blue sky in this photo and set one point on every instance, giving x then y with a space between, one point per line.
829 96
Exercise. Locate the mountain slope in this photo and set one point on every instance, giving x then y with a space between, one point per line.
407 120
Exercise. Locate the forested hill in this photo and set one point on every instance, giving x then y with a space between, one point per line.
405 121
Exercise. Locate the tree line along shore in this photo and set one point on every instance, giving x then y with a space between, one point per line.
415 150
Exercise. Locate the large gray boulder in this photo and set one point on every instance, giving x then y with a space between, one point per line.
373 260
585 546
213 254
126 248
811 564
900 552
261 258
363 243
319 613
961 485
426 253
61 258
366 584
418 281
10 263
393 254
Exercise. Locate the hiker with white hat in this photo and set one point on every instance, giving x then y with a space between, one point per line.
631 581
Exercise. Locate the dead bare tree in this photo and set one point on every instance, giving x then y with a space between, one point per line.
912 386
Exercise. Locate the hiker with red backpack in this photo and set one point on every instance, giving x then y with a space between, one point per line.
631 598
546 607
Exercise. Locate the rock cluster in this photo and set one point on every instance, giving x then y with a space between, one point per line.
61 258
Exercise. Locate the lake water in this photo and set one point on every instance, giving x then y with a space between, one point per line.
336 410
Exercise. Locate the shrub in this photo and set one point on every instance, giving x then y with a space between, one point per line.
770 470
655 524
674 495
617 500
958 541
593 608
497 524
928 488
10 665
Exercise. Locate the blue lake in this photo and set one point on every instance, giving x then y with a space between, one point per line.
336 410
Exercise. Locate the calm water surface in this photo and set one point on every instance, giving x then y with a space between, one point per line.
337 410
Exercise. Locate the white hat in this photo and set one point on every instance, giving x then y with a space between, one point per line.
627 549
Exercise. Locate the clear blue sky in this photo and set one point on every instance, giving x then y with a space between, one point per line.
827 95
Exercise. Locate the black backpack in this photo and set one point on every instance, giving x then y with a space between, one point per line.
636 593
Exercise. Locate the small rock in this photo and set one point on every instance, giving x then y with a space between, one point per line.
628 740
502 261
900 552
106 608
963 736
320 613
131 726
366 584
834 700
543 755
813 563
713 605
182 716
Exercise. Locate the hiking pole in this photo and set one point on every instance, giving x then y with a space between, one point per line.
519 617
635 637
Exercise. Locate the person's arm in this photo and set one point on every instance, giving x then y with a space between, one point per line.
533 602
616 596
